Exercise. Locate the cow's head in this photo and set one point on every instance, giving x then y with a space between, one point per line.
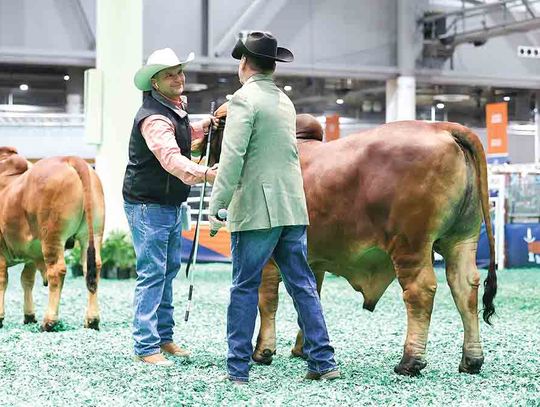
307 128
11 163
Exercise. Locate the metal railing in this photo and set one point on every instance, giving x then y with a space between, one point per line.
41 119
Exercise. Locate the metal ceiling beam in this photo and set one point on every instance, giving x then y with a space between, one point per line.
240 22
443 77
260 14
496 31
87 28
229 65
26 56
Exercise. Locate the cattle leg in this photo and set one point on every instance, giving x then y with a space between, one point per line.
53 254
91 319
419 285
3 286
268 305
28 277
464 280
297 350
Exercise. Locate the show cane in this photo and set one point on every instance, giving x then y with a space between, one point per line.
194 249
221 216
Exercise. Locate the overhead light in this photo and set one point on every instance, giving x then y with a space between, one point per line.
287 88
506 98
367 106
339 101
440 105
66 77
23 87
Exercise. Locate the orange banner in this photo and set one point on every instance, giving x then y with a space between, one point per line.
496 122
331 131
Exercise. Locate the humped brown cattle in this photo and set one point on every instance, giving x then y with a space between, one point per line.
380 202
43 207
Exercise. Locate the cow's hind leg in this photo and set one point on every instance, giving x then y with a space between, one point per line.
91 319
268 305
464 280
297 350
53 254
3 286
417 278
28 277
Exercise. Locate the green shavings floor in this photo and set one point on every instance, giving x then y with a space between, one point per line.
78 366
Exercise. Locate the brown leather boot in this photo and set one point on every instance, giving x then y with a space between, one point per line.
157 359
173 349
331 375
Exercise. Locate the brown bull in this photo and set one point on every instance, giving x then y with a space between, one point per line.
42 207
379 204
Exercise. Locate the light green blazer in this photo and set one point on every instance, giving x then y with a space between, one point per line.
259 179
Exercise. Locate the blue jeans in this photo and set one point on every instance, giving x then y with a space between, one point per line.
251 250
157 237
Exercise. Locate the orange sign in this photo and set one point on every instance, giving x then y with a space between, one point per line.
331 131
221 243
497 121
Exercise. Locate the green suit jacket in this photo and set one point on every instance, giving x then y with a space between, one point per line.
259 179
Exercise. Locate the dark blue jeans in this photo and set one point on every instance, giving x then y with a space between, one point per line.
251 250
157 237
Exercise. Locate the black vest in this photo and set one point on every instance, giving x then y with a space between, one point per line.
145 180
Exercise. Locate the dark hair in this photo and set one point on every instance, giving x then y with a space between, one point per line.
261 64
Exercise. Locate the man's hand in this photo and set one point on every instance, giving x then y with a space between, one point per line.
211 174
215 224
209 120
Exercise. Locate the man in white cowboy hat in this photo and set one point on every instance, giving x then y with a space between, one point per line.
157 181
260 182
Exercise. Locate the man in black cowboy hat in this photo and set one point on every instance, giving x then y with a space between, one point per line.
260 183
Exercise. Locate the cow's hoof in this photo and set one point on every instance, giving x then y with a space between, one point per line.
49 326
1 322
471 365
92 324
30 319
295 353
410 366
263 358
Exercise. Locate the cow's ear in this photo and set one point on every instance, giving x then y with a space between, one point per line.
13 164
7 152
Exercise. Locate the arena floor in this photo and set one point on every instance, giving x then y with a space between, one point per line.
81 367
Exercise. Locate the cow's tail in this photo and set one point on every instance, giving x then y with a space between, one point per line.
466 138
82 169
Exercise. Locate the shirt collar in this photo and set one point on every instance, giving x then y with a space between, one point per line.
259 77
177 108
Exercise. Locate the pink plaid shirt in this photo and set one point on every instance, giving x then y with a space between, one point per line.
158 132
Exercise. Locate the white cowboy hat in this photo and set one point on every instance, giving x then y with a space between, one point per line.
157 61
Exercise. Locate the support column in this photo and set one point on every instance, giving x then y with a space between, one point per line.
119 48
401 98
537 128
74 90
401 91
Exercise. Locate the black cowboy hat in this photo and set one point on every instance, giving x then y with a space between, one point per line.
263 45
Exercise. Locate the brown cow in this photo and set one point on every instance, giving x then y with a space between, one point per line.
43 206
379 203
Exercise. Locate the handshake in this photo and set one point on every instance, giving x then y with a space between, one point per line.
217 222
